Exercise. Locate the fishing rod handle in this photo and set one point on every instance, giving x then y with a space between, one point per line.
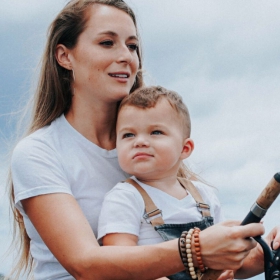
264 201
270 193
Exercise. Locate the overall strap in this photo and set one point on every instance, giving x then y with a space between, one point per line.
150 207
201 206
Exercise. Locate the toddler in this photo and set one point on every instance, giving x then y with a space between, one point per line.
155 204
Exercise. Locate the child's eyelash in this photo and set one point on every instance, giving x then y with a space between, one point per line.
128 135
157 132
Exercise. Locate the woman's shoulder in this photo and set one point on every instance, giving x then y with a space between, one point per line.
43 138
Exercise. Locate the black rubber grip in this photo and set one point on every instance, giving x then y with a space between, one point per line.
250 218
277 177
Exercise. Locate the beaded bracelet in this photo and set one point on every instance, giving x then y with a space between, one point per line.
189 254
201 266
182 249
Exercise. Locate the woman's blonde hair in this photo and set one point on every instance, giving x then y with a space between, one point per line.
53 95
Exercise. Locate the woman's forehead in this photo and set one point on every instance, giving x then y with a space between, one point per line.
105 19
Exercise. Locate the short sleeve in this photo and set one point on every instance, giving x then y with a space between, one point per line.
36 170
121 212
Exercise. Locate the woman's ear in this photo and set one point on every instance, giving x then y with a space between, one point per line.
62 56
188 147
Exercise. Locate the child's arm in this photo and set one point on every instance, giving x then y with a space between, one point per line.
122 239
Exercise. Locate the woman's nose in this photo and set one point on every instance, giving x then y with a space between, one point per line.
125 55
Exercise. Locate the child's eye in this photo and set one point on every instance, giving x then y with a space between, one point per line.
107 43
157 132
128 135
133 47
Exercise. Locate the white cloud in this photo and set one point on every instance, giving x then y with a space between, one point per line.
240 132
16 11
214 38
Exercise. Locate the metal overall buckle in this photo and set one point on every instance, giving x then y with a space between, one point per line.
152 215
202 206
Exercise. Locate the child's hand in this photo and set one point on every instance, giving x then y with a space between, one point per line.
226 275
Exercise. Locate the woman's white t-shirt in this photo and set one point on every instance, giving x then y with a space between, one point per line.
58 159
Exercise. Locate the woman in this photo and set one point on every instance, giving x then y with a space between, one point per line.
63 168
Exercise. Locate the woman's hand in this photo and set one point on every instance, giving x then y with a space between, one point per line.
254 263
226 245
274 238
226 275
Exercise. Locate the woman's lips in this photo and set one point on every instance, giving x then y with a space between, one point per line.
120 76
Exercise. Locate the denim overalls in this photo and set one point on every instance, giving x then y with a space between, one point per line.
171 231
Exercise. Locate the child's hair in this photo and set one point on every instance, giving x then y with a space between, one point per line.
148 97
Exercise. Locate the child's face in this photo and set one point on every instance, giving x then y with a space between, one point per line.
150 142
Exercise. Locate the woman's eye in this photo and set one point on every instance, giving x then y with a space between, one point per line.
107 43
157 132
133 47
128 135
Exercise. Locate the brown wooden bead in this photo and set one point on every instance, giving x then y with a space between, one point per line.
198 250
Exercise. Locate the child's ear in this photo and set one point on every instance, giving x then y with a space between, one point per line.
187 148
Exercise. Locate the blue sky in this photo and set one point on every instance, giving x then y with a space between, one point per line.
223 57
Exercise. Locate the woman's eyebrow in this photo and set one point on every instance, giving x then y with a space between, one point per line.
114 34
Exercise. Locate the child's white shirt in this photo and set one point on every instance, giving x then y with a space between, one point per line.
123 209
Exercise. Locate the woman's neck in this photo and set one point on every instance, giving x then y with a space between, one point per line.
96 122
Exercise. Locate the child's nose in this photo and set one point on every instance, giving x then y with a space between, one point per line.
141 141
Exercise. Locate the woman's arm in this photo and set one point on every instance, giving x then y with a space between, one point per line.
63 227
122 239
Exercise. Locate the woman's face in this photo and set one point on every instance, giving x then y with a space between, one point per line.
104 60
